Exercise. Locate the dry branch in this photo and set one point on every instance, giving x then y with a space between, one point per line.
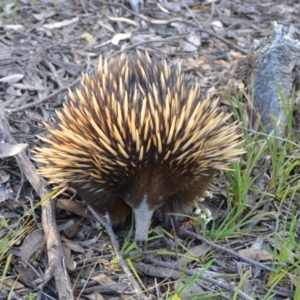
272 64
56 266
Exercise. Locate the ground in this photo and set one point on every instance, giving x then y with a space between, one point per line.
44 48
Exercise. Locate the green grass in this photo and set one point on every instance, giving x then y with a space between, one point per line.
273 163
282 190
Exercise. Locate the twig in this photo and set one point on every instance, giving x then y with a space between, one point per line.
106 223
219 282
270 135
274 61
241 257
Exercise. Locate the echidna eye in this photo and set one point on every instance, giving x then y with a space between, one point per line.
128 198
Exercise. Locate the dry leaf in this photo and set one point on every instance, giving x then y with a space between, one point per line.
44 15
69 261
256 254
72 245
61 24
117 38
14 27
103 279
36 87
7 150
4 176
191 43
12 78
294 279
27 275
32 243
126 20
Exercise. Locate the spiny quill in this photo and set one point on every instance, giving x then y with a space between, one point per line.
138 135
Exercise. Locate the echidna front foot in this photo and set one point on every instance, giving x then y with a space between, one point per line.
168 222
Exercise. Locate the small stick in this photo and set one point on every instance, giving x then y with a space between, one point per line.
270 135
241 257
106 223
217 282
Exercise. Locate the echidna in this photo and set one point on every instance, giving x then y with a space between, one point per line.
138 135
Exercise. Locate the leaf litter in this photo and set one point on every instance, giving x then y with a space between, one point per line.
44 47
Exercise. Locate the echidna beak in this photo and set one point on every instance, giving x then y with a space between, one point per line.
143 217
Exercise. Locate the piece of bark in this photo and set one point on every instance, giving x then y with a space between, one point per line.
56 266
273 65
275 60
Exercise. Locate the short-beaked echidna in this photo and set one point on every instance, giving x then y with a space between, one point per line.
138 135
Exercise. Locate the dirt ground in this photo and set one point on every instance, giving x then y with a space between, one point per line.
45 45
